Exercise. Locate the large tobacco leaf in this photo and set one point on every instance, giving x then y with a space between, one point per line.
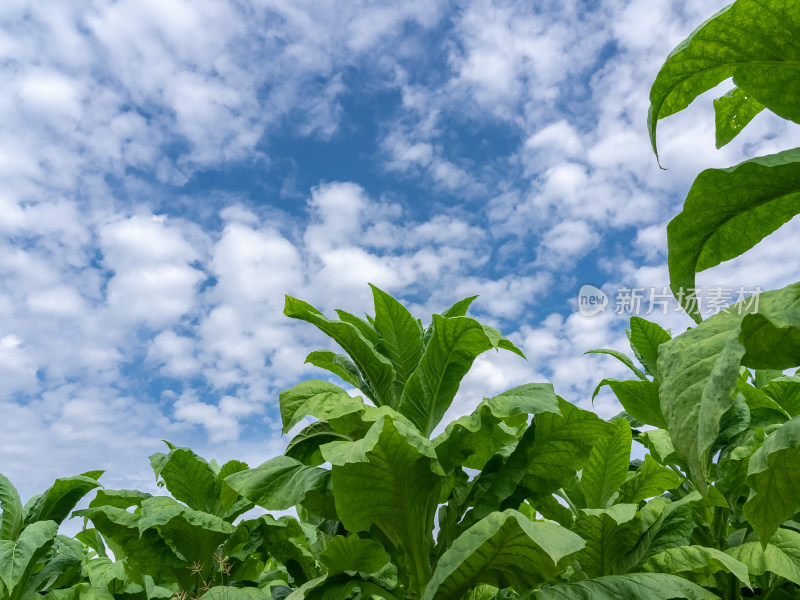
11 518
756 42
633 586
701 368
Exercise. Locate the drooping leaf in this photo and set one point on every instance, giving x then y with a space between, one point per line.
786 392
727 212
340 587
774 478
697 560
639 398
338 364
305 446
60 498
280 483
390 478
103 571
651 479
609 534
780 556
188 477
659 444
504 549
633 586
732 112
354 553
607 467
18 558
753 41
625 360
700 368
318 399
428 393
400 335
471 440
645 337
375 368
12 518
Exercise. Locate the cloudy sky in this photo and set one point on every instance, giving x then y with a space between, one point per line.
171 168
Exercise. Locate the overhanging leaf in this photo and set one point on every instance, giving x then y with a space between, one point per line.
633 586
697 560
732 112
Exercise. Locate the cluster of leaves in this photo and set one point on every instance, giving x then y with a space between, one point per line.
529 497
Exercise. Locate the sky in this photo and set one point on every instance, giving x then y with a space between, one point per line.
171 168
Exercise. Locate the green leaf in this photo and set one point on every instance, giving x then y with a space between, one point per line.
60 498
701 369
640 399
340 587
786 392
376 370
727 212
607 467
651 479
193 535
700 561
471 440
226 592
504 549
188 477
280 483
774 478
780 556
459 309
633 586
625 360
609 534
338 364
645 337
428 393
400 335
102 572
318 399
11 519
353 553
80 591
305 446
659 444
753 41
732 112
18 558
390 478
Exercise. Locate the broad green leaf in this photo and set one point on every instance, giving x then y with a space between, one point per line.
774 478
624 359
102 572
754 41
762 377
376 370
366 329
780 556
701 369
305 446
353 553
318 399
459 309
786 392
18 558
732 112
11 519
145 552
400 336
119 498
340 587
633 586
192 534
651 479
700 561
504 549
471 440
390 478
732 469
727 212
60 498
280 483
428 393
665 525
338 364
659 444
607 467
188 477
80 591
231 504
639 398
609 534
645 337
562 445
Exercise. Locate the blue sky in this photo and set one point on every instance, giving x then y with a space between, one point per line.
172 168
